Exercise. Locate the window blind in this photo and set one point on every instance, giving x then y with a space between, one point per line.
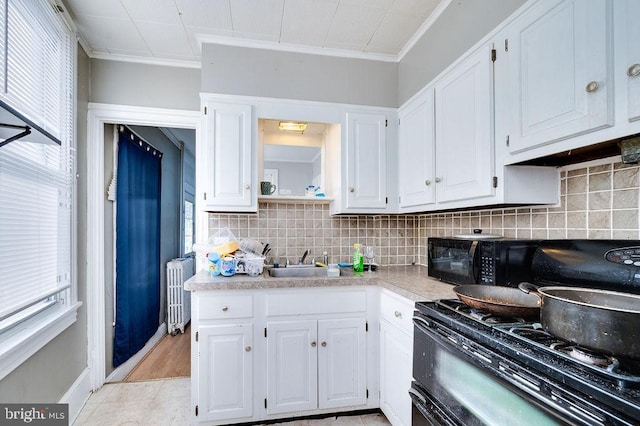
36 180
38 63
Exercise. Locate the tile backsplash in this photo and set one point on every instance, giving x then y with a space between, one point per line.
598 200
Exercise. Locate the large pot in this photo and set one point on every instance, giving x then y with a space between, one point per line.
601 320
504 301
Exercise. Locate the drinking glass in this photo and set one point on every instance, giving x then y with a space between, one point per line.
369 253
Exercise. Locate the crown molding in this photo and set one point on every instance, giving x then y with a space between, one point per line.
295 48
423 29
179 63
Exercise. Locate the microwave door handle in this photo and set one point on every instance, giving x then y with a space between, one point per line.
474 269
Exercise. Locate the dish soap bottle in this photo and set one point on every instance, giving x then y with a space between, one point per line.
358 262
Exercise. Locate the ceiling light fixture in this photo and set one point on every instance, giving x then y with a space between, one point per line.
291 126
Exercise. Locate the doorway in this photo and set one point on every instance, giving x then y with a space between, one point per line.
176 187
99 116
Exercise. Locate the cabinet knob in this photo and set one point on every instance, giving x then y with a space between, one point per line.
247 349
634 70
313 344
438 180
398 314
225 308
427 182
352 189
247 187
592 87
323 344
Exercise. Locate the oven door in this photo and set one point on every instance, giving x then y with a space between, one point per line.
467 384
452 260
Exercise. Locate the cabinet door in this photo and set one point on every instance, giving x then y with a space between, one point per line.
366 171
229 143
464 130
559 71
342 363
416 164
395 374
633 58
225 366
292 360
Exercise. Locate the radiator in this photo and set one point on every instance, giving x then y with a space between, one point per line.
178 299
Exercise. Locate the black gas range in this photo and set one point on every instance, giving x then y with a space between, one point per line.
473 368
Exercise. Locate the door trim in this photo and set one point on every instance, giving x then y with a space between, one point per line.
98 115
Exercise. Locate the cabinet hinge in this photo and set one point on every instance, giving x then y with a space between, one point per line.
386 123
495 181
506 44
205 196
367 393
205 110
197 335
398 122
386 200
265 332
493 55
196 411
507 140
366 326
265 403
399 199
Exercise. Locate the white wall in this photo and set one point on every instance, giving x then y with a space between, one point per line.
461 25
124 83
273 74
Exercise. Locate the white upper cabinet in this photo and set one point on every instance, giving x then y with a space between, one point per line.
365 178
632 64
229 164
560 72
416 162
464 129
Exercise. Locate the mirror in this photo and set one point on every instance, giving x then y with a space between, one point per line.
292 160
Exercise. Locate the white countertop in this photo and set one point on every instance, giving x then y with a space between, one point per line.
411 282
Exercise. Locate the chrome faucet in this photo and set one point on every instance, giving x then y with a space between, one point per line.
304 256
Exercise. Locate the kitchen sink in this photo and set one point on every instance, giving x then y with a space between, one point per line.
293 271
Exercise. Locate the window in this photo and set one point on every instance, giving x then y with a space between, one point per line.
37 288
188 227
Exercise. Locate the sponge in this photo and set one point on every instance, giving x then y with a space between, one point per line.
226 248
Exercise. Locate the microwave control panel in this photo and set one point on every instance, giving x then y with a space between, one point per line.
487 264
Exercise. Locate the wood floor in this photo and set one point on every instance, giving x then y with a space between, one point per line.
171 357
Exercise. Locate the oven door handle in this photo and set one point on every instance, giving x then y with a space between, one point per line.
415 395
421 323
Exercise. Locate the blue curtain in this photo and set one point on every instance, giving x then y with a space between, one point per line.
137 245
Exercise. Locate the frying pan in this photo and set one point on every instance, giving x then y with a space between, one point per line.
601 320
499 300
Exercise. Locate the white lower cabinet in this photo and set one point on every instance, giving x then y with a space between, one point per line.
225 362
396 357
316 364
266 354
292 358
395 374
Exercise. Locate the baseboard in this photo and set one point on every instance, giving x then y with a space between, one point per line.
123 370
77 395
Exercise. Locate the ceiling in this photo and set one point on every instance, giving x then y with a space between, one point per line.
172 31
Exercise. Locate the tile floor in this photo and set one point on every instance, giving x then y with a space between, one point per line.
166 402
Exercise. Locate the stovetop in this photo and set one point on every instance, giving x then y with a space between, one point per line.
621 372
610 380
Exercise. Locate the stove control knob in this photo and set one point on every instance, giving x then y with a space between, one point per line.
636 263
628 262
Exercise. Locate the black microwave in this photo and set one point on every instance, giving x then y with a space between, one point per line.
481 261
